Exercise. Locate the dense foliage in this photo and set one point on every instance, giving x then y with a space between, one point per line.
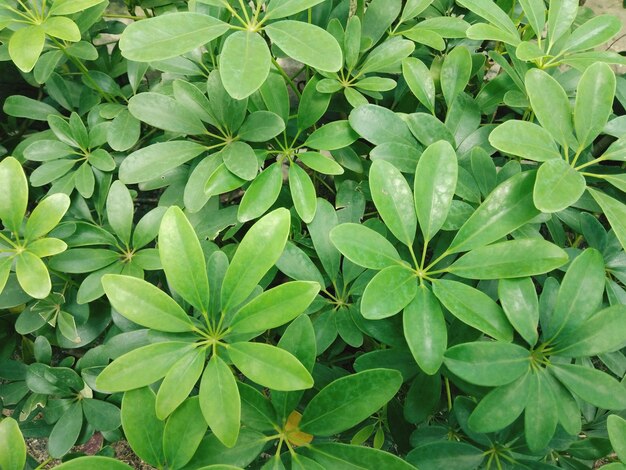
312 234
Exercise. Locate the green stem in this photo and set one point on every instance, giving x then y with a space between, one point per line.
448 394
290 82
414 258
423 260
592 162
245 11
360 9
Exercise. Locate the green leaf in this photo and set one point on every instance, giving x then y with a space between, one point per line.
312 105
455 73
22 106
167 36
270 366
535 11
507 208
67 7
615 212
102 415
580 294
93 463
142 366
603 332
594 102
593 386
321 163
155 160
440 454
524 139
425 330
12 446
222 181
283 8
26 45
420 81
120 211
510 259
124 131
261 194
261 126
541 415
435 183
66 431
244 63
275 307
551 106
14 197
519 301
335 455
46 215
349 400
32 275
500 407
179 382
306 43
182 259
364 246
380 125
165 113
394 200
145 304
220 402
142 428
616 426
302 193
387 55
62 28
388 292
593 32
240 160
488 363
492 13
248 266
332 136
561 15
473 308
183 433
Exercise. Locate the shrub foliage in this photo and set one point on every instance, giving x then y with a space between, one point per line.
312 234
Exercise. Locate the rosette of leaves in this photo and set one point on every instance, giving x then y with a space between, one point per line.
32 23
23 245
406 282
563 35
249 27
71 161
229 311
539 379
336 408
68 405
127 250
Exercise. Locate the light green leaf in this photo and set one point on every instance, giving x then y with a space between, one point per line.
364 246
561 15
488 363
142 366
594 102
93 463
249 265
67 7
616 426
593 32
394 200
167 36
32 275
441 453
26 45
145 304
220 402
500 407
302 193
425 330
420 81
275 307
62 28
183 433
474 308
455 72
244 63
182 259
388 292
124 131
558 186
380 125
541 415
66 431
332 136
535 11
261 194
435 183
593 386
615 212
12 446
283 8
306 43
349 400
321 163
510 259
507 208
551 106
179 382
120 211
524 139
270 366
14 197
142 428
46 216
519 301
492 13
165 113
240 160
261 126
